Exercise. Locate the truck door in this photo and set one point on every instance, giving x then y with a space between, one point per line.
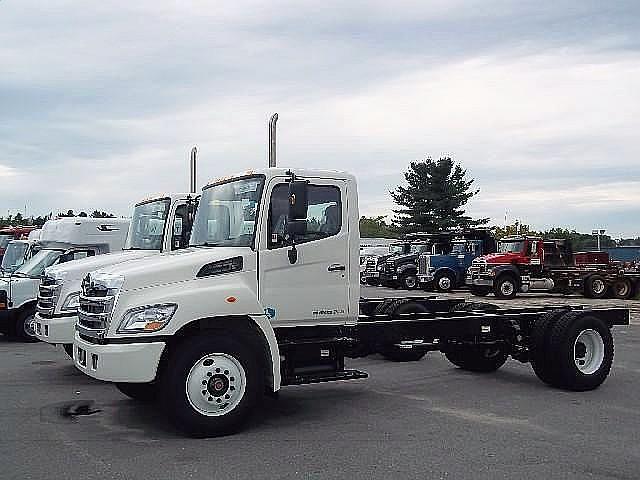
315 288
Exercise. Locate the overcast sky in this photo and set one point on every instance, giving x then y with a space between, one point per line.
100 102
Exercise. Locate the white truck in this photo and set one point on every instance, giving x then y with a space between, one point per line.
268 295
61 240
158 224
19 251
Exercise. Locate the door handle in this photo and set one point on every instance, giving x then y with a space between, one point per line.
336 267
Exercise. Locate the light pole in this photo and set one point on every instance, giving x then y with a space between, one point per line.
598 233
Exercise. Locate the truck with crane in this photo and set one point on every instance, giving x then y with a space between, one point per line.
268 295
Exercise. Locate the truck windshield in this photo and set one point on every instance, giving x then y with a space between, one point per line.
396 249
4 240
41 260
510 247
146 229
226 216
14 256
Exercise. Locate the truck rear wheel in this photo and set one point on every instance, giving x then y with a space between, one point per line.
211 385
143 392
595 286
581 349
539 345
479 291
478 358
506 287
622 289
444 281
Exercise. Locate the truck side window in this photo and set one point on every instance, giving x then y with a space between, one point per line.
180 231
324 216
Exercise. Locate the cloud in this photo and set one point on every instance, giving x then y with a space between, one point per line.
102 102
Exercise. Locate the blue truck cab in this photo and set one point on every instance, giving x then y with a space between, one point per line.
446 272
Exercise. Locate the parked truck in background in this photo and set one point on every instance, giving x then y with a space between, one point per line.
529 263
374 263
61 240
18 252
13 233
158 224
446 271
268 295
401 271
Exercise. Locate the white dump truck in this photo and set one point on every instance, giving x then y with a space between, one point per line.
159 224
268 295
61 240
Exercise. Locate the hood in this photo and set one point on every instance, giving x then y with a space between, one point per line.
77 269
177 266
407 257
501 258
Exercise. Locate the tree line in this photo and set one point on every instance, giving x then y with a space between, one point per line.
433 199
18 219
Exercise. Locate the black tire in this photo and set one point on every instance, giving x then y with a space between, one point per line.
539 345
563 351
506 287
68 349
477 358
142 392
409 281
393 352
474 306
480 291
24 326
444 281
595 286
622 289
187 355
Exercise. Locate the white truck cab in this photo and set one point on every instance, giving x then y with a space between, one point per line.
16 253
158 224
61 240
268 295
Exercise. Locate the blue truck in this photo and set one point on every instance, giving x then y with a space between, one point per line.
446 272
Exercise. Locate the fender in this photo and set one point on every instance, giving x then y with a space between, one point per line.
450 270
507 269
219 296
407 267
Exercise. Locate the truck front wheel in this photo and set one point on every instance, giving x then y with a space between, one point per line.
444 281
506 287
211 385
409 281
25 326
595 286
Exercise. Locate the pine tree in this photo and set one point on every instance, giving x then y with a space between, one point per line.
434 199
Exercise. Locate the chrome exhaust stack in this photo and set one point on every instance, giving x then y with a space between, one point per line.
272 140
194 154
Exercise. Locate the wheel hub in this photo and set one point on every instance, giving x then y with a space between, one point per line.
507 288
588 351
215 384
598 286
445 283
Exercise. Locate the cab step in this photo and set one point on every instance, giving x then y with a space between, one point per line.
322 377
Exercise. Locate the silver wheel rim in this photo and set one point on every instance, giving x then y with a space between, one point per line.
29 326
216 384
444 283
598 286
410 281
588 351
506 288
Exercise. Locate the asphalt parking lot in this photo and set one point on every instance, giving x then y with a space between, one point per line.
415 420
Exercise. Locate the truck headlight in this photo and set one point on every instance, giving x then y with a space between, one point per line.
71 303
150 318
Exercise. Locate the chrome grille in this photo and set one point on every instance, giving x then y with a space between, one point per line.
95 309
423 264
48 293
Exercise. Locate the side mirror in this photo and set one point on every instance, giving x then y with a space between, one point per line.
298 201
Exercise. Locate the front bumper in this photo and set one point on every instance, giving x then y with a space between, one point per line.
425 278
479 279
118 362
56 330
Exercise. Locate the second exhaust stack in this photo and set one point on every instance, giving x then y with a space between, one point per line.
272 140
